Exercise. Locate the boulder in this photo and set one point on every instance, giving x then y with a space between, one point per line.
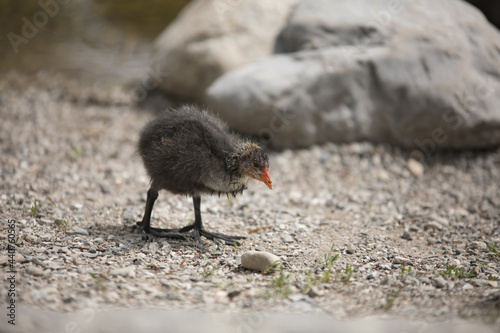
211 37
422 74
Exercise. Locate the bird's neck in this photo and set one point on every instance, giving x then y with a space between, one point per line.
235 161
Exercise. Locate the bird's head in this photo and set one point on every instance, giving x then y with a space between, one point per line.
254 163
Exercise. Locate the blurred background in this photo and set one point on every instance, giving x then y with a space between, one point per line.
358 71
91 39
101 37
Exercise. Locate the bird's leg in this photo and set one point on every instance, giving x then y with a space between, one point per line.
146 220
199 231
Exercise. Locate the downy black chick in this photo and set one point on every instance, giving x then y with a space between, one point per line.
190 152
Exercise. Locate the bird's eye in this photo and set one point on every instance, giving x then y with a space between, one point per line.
255 164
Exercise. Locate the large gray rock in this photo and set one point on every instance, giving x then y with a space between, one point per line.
210 37
422 74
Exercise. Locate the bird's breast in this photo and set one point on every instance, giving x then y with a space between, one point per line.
225 184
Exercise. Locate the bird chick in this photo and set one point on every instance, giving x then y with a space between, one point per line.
190 152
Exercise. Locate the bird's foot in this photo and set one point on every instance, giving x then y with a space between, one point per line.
197 233
229 240
163 233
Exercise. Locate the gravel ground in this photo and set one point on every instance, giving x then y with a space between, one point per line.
360 232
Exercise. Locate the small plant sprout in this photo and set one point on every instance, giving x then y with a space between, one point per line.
493 249
208 271
326 276
311 280
282 283
390 299
18 241
328 262
452 271
35 207
99 280
349 271
329 258
447 271
64 224
276 267
405 272
76 153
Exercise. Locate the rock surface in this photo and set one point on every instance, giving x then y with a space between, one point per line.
210 37
420 74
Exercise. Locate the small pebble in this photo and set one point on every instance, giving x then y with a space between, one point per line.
138 261
76 206
433 225
467 286
166 247
129 215
34 270
350 249
153 247
31 238
439 282
78 231
233 294
38 262
479 245
45 221
441 220
287 238
63 250
314 292
296 297
398 260
123 247
479 282
123 271
258 260
373 275
104 188
406 235
416 168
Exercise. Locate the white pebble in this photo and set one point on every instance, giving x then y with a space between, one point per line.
258 260
415 167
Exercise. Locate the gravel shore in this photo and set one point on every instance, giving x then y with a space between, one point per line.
361 230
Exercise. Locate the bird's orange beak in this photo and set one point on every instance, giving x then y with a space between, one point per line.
266 179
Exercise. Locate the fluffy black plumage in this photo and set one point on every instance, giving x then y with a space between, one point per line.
190 152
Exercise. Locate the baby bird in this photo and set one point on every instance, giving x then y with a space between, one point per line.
190 152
